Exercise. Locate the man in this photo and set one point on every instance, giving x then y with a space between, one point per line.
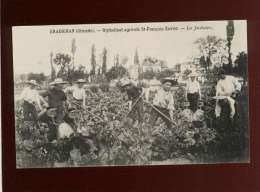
56 98
78 93
153 86
135 100
193 93
48 116
163 104
31 98
227 88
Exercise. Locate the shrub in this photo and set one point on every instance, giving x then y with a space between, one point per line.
94 88
104 87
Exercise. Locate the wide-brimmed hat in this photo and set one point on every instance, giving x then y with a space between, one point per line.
32 82
58 81
80 81
51 108
125 82
72 109
172 80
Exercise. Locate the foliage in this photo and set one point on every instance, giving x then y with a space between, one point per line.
184 138
112 138
94 88
39 77
213 49
104 87
136 58
53 73
241 64
93 60
117 63
186 74
153 61
63 61
116 72
165 73
149 74
105 136
79 73
124 60
212 75
104 62
179 97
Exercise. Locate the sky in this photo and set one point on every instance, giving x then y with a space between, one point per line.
32 45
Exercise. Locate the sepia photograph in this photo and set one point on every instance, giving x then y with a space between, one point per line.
131 94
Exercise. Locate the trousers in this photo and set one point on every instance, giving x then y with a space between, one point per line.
193 99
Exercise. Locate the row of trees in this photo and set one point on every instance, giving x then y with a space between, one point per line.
118 70
214 50
239 68
66 70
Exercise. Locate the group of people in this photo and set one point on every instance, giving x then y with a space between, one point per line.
52 103
60 115
163 105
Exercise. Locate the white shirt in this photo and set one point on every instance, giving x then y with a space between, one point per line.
193 87
227 86
164 99
64 130
30 95
77 93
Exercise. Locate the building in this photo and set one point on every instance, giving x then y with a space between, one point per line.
133 71
181 68
153 64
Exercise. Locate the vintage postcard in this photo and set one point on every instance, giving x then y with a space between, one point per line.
131 94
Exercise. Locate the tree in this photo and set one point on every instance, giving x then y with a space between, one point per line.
63 61
137 63
73 51
209 46
116 72
149 74
165 73
53 72
38 77
93 60
230 34
117 60
186 73
104 62
124 60
79 73
241 64
136 58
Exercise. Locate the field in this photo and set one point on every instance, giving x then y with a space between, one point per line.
106 137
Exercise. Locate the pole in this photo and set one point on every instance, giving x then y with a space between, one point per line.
102 120
134 104
90 112
73 65
161 113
